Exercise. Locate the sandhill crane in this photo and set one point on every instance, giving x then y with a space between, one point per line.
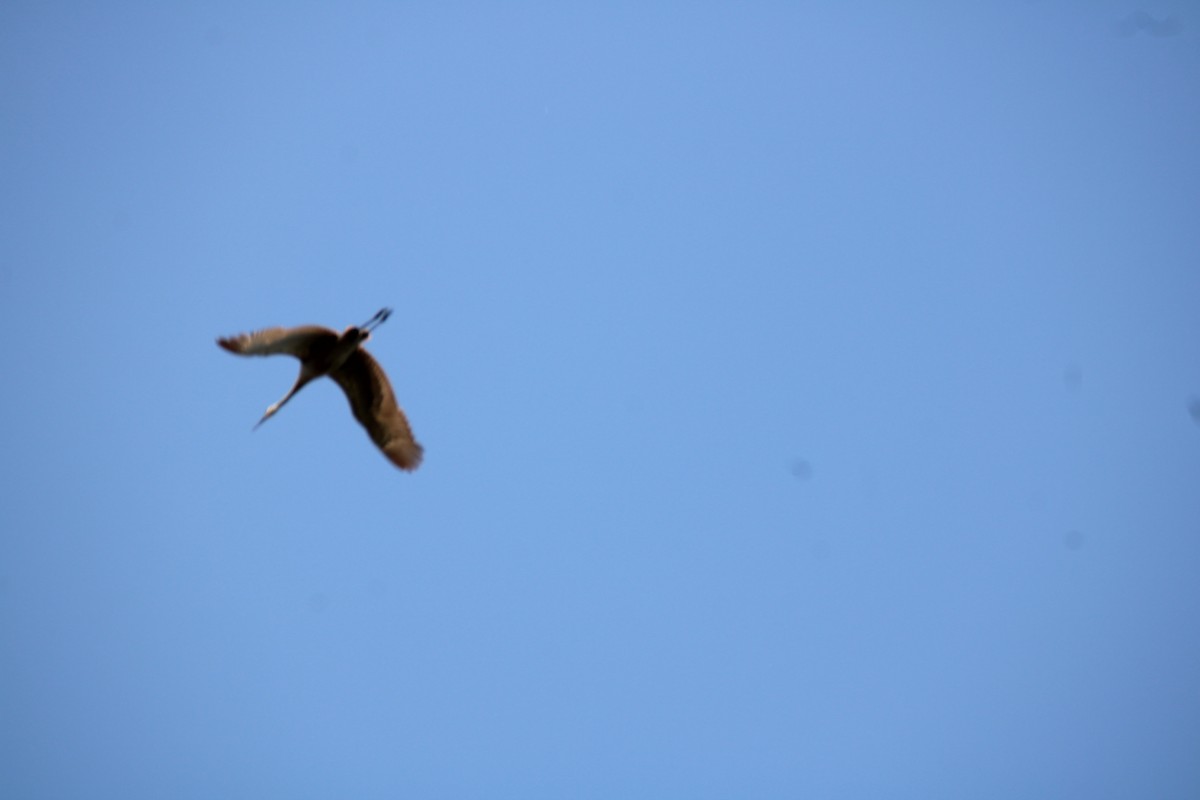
340 356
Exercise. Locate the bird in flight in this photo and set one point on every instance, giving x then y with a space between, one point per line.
340 356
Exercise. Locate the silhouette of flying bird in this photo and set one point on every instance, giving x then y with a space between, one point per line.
340 356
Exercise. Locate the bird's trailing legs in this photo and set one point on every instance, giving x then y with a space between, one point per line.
380 317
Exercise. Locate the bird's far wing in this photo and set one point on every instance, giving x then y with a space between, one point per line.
374 406
296 342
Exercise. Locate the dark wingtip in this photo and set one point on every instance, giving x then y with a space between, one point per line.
405 455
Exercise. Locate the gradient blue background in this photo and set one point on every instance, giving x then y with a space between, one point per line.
805 388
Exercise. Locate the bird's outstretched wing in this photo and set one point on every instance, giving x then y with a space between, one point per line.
298 341
374 406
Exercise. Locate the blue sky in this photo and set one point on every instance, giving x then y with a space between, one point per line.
805 394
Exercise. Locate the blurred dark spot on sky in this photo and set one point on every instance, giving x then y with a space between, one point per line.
1073 540
318 602
1143 22
1194 409
800 469
1072 377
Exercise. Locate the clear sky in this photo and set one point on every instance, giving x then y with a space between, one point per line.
807 393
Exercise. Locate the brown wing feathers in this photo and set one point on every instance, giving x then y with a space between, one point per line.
374 406
298 341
